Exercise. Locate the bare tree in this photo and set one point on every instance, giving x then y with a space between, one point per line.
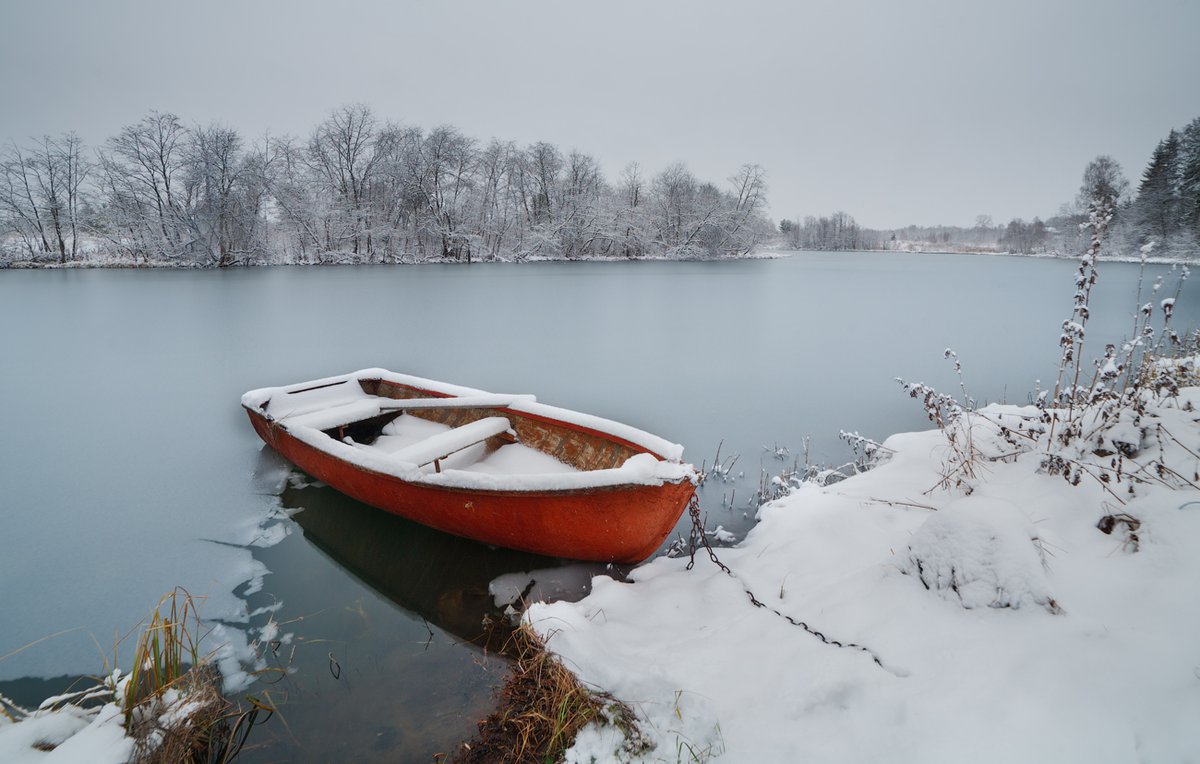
495 202
543 163
143 165
302 205
41 196
750 188
17 200
630 211
225 187
342 152
360 190
579 199
449 161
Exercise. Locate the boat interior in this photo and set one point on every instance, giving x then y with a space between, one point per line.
470 433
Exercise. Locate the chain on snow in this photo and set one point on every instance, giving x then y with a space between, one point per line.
698 538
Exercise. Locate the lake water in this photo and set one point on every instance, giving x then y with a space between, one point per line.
128 468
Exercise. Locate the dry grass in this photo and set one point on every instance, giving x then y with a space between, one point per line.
195 734
173 704
165 652
543 706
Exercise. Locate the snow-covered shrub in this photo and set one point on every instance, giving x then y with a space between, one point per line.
982 553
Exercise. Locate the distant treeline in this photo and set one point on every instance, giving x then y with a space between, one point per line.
1165 210
357 189
837 232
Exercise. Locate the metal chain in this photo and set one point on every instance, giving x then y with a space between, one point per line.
699 538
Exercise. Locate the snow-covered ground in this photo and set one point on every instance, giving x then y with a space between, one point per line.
67 736
907 619
88 726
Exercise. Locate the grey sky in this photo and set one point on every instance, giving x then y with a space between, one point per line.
894 111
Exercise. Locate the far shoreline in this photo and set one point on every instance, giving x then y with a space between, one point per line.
766 252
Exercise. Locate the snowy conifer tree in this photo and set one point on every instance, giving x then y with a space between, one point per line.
1189 178
1156 211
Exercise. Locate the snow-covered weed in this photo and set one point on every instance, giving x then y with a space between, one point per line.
958 422
1103 420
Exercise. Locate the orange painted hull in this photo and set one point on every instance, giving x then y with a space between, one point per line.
621 524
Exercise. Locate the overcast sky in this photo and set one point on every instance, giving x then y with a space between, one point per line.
895 111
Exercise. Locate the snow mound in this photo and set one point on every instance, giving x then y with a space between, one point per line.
69 735
981 553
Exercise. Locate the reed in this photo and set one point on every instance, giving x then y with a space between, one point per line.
165 653
172 700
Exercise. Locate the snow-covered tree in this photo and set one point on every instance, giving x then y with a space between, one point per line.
142 170
341 152
1103 182
224 195
42 195
358 189
1156 210
1189 178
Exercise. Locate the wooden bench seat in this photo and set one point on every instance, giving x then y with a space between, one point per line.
334 416
433 449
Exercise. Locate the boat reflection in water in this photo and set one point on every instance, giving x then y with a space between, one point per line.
387 653
464 587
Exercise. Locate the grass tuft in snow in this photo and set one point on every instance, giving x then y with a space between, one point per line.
172 700
165 652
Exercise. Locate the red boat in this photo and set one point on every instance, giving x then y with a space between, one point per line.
501 469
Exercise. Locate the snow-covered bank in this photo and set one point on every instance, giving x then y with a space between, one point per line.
102 724
102 260
1016 617
168 707
1191 259
69 735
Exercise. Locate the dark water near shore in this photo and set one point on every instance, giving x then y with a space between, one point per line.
127 467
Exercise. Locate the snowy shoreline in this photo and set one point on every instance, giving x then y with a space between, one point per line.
906 620
1134 259
25 265
762 253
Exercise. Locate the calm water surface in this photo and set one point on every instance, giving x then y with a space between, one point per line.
127 467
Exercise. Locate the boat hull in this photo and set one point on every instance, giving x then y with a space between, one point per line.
620 523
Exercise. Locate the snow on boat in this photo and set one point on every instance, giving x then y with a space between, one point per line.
501 469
